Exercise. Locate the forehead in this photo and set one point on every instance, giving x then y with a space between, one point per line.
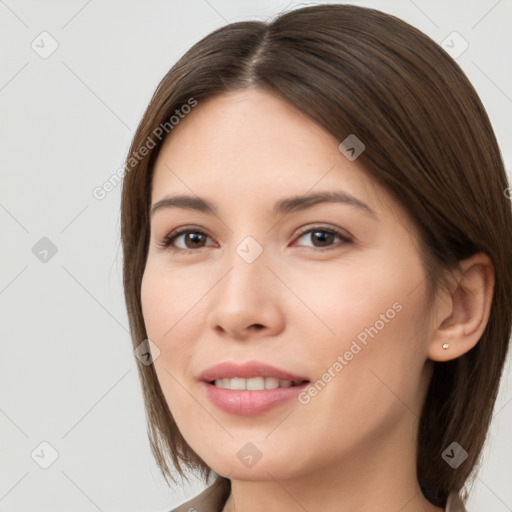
252 146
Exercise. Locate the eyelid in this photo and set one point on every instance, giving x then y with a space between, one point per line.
167 241
346 238
327 227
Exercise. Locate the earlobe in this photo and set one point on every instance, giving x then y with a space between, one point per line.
464 312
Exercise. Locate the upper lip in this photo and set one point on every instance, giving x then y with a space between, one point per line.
229 370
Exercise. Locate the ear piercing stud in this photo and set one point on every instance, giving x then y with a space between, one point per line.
445 346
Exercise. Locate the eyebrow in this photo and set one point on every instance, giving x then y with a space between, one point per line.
281 207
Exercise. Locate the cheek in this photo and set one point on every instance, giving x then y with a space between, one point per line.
371 315
150 290
348 299
163 301
172 315
162 311
159 319
382 349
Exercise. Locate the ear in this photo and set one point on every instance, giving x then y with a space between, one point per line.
462 313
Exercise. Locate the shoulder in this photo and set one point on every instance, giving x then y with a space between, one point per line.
454 503
212 499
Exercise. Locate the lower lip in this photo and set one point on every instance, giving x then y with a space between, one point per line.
250 403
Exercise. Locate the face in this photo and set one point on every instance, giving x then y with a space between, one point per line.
330 292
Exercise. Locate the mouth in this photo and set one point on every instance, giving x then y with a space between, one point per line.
250 376
255 383
251 388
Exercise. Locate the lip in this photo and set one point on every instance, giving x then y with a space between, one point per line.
244 402
230 370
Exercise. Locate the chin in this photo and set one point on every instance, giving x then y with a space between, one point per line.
244 464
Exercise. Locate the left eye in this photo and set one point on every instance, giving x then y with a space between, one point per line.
324 237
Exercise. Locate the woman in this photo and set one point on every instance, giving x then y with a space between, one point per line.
316 241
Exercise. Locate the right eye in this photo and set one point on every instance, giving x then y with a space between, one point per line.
191 237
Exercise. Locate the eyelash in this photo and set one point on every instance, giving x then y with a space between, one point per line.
171 237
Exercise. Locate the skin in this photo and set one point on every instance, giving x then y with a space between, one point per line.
353 446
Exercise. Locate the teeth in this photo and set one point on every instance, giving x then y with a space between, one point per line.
253 384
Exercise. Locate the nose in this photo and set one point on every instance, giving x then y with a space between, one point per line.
247 301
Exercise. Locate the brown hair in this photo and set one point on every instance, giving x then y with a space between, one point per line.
429 143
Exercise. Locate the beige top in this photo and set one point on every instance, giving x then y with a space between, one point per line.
210 500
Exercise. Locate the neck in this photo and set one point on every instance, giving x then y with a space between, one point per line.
371 479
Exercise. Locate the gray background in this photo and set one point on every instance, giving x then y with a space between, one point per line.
68 375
